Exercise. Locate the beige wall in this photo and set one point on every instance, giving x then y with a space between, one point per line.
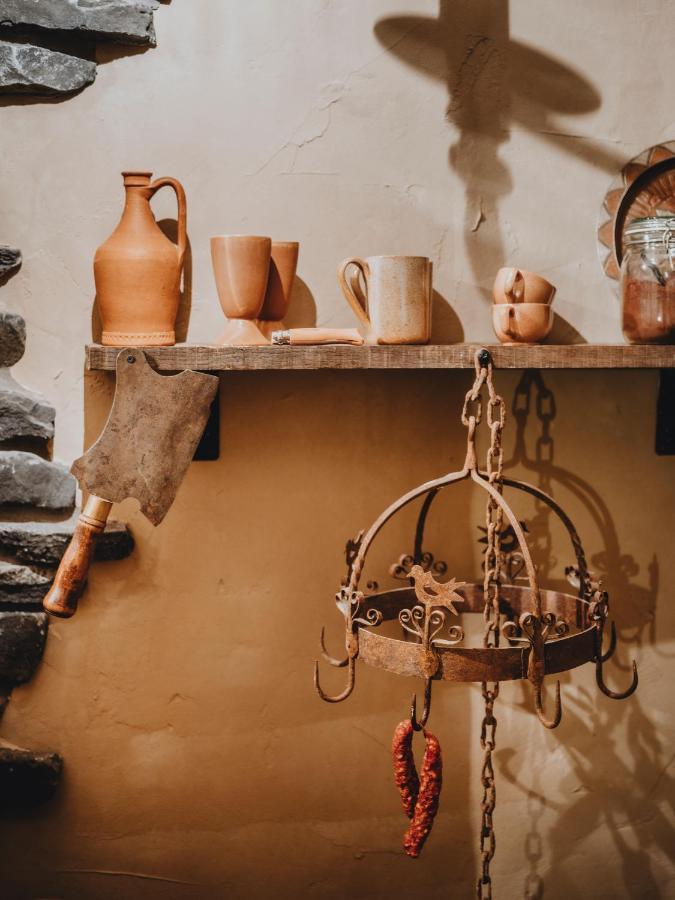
199 762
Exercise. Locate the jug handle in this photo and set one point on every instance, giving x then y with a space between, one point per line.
182 208
352 289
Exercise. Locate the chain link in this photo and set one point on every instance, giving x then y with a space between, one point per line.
496 417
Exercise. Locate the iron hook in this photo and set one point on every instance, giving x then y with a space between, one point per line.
418 726
615 695
331 660
539 706
612 644
351 678
600 660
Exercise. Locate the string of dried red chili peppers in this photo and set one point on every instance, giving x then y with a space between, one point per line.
419 793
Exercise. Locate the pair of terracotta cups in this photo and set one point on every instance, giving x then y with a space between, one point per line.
522 311
254 278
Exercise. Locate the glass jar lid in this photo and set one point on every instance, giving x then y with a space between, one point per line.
651 230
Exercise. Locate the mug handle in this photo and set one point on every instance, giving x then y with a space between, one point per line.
352 289
512 276
181 238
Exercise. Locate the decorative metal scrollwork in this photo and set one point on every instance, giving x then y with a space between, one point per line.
402 569
426 620
524 631
349 603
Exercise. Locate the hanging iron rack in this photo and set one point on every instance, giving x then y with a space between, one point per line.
548 632
545 632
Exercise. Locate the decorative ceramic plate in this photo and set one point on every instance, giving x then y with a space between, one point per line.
645 187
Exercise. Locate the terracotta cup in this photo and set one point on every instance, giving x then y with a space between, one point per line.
391 297
519 286
522 323
283 265
241 265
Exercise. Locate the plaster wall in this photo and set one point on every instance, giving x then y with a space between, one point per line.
199 762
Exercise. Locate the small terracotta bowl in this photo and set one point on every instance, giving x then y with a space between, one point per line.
522 323
520 286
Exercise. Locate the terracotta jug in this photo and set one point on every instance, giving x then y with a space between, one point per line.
138 269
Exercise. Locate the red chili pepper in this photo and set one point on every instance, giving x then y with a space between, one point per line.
426 806
405 773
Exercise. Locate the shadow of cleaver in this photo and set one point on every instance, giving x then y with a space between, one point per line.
144 451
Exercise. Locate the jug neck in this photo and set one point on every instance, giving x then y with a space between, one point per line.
137 196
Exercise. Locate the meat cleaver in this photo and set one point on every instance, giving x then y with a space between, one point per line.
144 451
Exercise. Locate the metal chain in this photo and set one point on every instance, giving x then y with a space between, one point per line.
496 417
487 834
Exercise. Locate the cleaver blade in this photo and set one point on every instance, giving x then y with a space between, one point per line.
144 451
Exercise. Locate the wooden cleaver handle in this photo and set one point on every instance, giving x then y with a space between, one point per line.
71 576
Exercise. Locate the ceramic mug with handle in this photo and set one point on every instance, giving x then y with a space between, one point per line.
522 323
520 286
391 297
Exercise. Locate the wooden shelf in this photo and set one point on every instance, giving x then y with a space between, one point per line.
430 356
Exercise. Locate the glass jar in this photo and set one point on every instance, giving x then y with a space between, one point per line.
648 281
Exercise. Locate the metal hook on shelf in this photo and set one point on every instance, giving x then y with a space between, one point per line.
419 725
351 679
483 357
600 660
539 706
331 660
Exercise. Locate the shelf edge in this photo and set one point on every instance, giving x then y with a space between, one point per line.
398 357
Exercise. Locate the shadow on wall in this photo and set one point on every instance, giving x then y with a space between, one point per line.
596 724
446 327
596 770
613 568
302 307
494 83
563 332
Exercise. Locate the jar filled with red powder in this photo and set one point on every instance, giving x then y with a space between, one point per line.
648 281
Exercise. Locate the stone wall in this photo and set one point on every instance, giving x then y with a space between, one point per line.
37 517
48 48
